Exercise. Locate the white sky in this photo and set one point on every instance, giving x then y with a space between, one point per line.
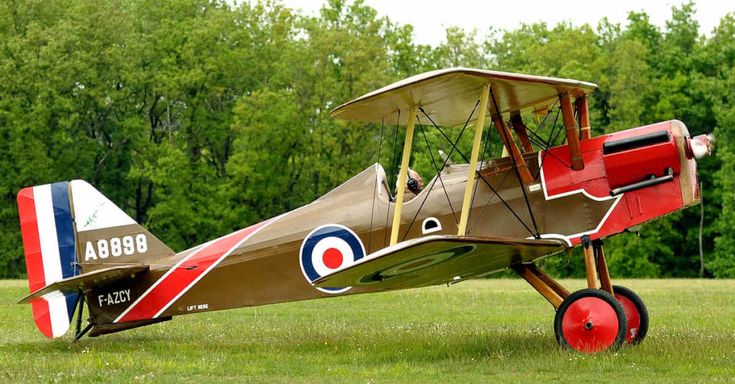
430 17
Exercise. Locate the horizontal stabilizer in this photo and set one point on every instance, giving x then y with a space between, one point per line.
87 280
436 260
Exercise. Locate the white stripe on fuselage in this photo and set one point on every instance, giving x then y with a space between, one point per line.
171 270
568 238
183 260
239 243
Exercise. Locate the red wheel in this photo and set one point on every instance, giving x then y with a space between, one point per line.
635 312
590 320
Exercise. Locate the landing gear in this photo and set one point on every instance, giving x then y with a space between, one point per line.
635 310
636 313
590 321
599 318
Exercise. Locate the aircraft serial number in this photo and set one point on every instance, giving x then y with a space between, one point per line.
116 246
116 297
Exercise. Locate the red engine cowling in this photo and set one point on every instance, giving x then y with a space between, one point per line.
640 156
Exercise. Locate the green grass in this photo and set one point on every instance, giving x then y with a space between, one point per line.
477 331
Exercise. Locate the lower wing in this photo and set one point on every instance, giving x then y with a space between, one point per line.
434 260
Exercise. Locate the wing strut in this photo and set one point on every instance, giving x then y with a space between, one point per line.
471 171
575 150
583 111
521 169
402 174
512 149
517 122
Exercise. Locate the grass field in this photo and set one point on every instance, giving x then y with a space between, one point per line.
477 331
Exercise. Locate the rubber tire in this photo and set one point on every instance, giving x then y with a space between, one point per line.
642 312
596 293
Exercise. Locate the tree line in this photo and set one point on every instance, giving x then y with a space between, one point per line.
201 117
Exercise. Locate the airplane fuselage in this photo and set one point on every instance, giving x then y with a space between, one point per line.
276 260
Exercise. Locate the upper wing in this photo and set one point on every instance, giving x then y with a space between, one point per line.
449 95
436 260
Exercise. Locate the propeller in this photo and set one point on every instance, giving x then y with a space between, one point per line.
700 146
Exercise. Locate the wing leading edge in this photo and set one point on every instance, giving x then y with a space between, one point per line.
437 260
449 95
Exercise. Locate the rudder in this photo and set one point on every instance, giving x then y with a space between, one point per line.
50 251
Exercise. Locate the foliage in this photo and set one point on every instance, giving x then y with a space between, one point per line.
199 117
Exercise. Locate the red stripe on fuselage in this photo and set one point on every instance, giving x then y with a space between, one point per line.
34 260
175 282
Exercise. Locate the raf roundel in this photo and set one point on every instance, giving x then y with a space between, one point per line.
327 249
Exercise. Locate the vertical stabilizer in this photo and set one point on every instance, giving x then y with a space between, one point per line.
106 235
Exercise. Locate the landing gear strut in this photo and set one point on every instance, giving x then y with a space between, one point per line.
599 318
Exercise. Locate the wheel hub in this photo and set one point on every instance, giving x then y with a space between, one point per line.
590 321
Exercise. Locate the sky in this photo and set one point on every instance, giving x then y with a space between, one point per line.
431 17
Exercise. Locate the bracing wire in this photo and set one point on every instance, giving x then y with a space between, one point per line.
515 168
464 157
375 187
430 188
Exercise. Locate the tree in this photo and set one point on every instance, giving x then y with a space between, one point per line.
201 117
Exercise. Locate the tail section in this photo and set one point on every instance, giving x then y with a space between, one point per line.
70 228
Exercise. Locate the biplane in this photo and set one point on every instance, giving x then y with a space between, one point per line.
472 218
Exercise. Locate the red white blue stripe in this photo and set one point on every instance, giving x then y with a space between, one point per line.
50 251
